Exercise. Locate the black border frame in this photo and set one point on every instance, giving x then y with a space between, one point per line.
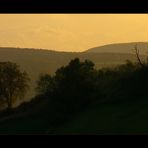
73 6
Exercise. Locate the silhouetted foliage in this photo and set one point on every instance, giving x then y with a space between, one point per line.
78 84
71 89
13 83
45 84
75 83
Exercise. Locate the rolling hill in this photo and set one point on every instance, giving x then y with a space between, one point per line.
36 61
121 48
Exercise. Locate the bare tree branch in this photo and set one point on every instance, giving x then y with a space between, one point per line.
137 55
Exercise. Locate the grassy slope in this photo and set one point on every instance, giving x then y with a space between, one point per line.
30 119
129 118
24 126
110 119
125 118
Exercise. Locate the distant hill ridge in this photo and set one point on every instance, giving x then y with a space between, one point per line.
121 48
34 49
108 48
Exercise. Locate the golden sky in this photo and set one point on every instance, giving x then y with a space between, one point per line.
71 32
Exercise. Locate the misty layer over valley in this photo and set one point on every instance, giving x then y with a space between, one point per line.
39 61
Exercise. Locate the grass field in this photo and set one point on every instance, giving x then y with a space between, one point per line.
123 118
127 118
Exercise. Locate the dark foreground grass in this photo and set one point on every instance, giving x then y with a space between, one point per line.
123 118
24 125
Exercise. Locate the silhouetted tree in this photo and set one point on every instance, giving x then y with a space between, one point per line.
13 83
72 86
45 84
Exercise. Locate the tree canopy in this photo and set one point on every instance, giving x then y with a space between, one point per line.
13 83
72 85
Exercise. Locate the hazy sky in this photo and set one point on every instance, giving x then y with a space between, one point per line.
71 32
